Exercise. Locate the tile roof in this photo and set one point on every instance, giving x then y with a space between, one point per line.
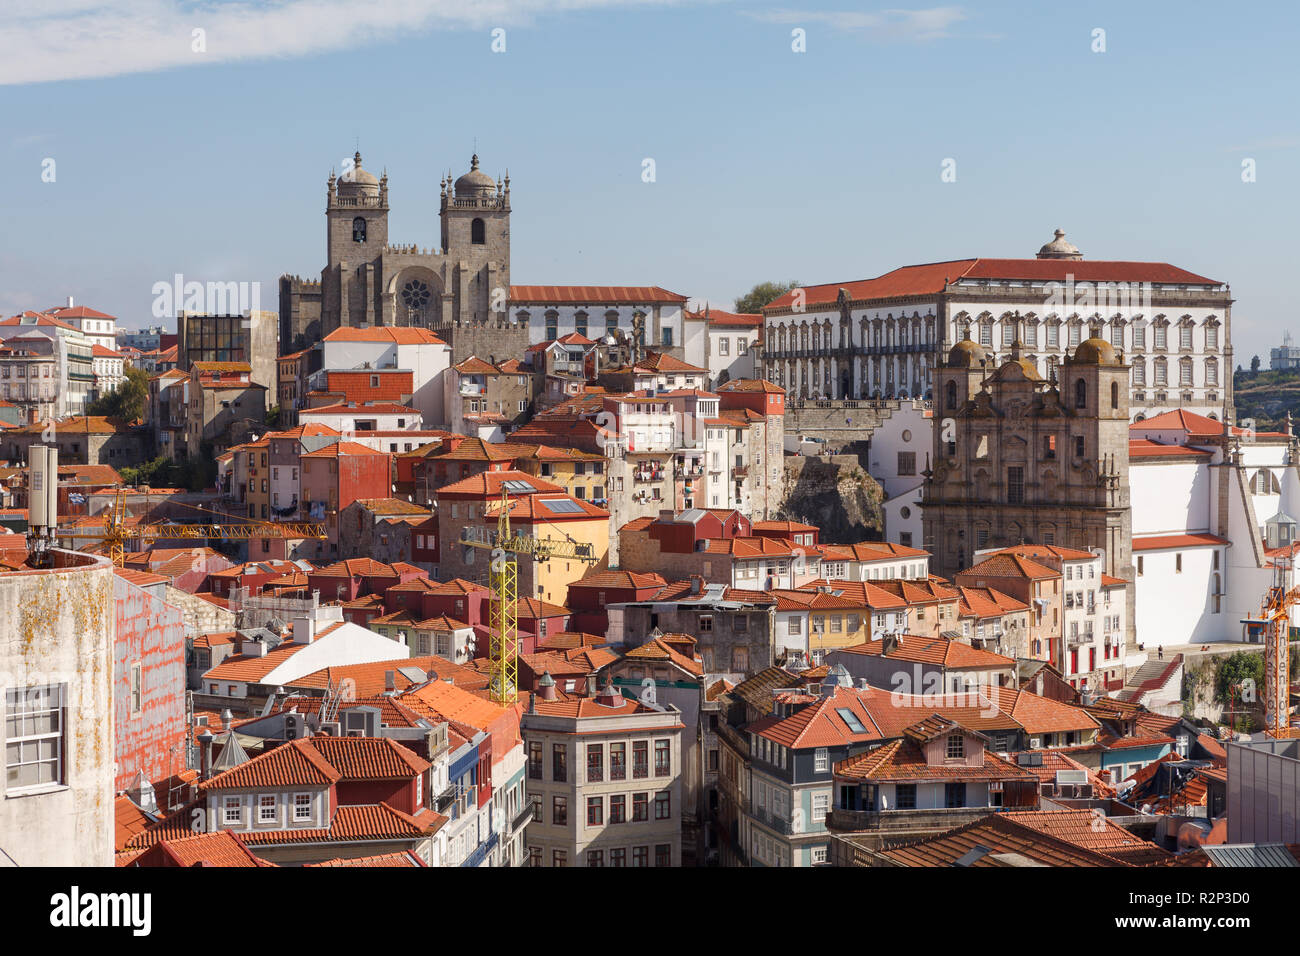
223 848
296 763
930 278
904 760
663 362
489 484
1041 715
369 758
1146 448
619 579
932 650
1086 829
381 860
355 823
1157 542
996 841
592 294
340 449
820 724
398 335
658 649
1003 565
250 668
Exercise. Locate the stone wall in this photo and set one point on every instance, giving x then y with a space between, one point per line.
835 494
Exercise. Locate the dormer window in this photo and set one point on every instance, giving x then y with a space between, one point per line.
956 747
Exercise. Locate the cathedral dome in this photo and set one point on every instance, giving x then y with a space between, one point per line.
1095 351
1058 248
475 183
966 354
358 181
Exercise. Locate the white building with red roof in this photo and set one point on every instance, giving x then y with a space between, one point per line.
416 350
882 337
552 311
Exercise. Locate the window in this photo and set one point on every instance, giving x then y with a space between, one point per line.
1178 563
1079 446
640 759
640 807
302 806
618 761
595 857
821 760
595 811
796 625
1161 332
1016 485
34 736
663 759
905 796
663 854
595 763
477 232
559 858
1080 394
724 346
907 463
954 795
559 763
740 659
359 229
1185 337
534 760
232 810
663 805
559 811
706 623
821 803
618 856
1139 564
618 809
137 688
266 808
956 746
640 856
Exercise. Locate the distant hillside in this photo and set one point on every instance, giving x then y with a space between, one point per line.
1267 396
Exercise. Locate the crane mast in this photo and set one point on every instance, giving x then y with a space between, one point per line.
1277 652
503 578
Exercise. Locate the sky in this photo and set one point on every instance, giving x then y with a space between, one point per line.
1171 135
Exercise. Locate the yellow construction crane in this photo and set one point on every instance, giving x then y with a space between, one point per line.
1277 654
503 575
116 531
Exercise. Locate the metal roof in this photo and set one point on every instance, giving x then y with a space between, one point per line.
1250 854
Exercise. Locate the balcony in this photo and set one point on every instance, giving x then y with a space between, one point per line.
522 818
470 390
648 474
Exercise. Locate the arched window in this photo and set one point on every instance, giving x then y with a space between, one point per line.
1080 394
1114 394
477 232
359 229
580 323
951 394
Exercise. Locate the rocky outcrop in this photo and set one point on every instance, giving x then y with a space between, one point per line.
835 494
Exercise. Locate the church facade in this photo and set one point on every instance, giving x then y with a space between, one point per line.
368 281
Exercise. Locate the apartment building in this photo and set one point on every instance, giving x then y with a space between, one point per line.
604 780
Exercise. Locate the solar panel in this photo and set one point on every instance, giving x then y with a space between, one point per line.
972 856
520 486
850 718
562 506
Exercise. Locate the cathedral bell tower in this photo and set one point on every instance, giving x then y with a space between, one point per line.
475 213
357 215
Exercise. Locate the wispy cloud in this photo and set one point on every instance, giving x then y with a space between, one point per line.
48 40
933 23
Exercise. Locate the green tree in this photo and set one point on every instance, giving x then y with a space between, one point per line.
273 416
127 401
1241 666
762 294
1254 365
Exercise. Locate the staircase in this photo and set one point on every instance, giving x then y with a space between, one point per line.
1151 676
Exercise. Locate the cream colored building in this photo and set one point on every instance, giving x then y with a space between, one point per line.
604 775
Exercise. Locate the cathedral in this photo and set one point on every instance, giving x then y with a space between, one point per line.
458 290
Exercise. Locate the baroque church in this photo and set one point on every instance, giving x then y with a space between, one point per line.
458 290
1022 459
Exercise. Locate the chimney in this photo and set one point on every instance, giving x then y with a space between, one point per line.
390 682
1104 776
546 686
609 697
697 584
591 685
69 302
205 747
889 643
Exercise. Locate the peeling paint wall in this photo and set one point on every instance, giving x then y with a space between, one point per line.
150 633
57 627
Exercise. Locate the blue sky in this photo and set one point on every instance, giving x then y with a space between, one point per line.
822 166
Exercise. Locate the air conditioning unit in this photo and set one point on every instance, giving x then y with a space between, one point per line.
1035 743
331 727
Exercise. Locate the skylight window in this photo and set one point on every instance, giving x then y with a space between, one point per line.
562 506
850 718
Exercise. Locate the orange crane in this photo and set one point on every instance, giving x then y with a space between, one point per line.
234 528
1277 653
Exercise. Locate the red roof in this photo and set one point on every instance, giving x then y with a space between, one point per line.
489 484
930 278
1145 448
398 335
932 650
342 448
592 294
1157 542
